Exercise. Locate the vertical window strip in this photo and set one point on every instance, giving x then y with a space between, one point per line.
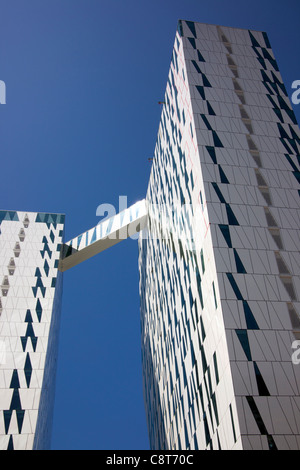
232 423
215 297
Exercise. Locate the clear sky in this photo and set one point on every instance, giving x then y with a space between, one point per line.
83 80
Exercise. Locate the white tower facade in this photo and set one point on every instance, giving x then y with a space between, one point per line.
30 302
218 258
219 261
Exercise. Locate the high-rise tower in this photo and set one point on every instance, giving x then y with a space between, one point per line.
219 262
30 301
33 258
218 257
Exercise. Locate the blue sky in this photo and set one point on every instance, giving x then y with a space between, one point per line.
83 81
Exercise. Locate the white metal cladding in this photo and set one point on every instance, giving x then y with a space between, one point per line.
30 301
219 315
218 259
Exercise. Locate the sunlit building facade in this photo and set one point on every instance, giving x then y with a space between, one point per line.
30 303
219 261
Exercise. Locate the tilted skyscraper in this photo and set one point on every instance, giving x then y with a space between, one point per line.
32 260
30 302
218 258
219 279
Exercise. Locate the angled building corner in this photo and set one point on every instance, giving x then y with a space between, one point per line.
219 260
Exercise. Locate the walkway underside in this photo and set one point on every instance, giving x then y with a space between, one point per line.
106 234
